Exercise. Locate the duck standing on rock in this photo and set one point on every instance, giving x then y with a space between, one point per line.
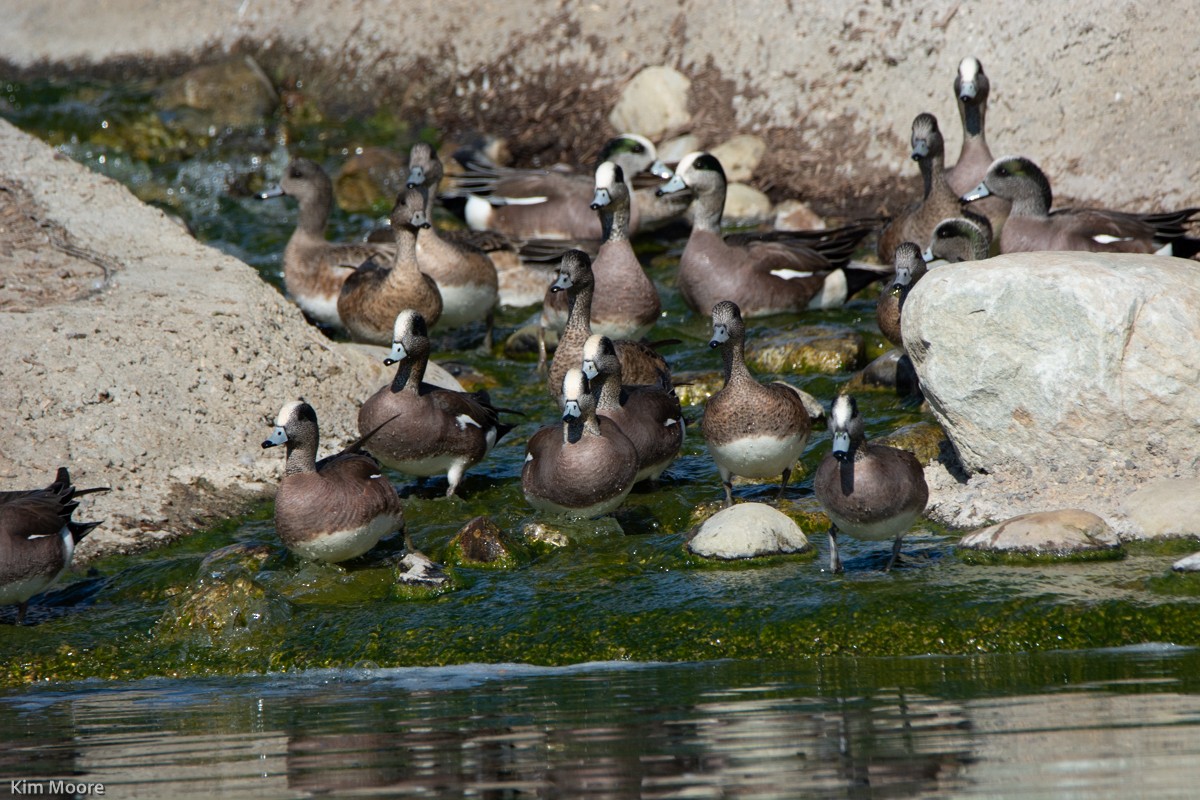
583 468
314 268
1032 226
763 274
420 429
334 509
377 291
869 491
38 538
751 429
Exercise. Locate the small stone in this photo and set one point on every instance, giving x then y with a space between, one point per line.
370 178
793 215
235 92
1058 533
745 205
482 542
523 342
808 348
748 530
672 151
652 103
1165 507
420 570
740 156
924 440
539 532
1189 564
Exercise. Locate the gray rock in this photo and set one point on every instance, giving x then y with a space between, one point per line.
672 151
745 205
1167 507
1061 362
740 156
748 530
654 102
1189 564
1062 532
368 179
793 215
481 541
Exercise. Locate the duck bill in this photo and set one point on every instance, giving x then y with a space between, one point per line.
920 149
561 283
397 354
675 184
416 177
419 220
978 192
588 367
571 410
841 445
277 437
274 191
601 198
927 254
660 170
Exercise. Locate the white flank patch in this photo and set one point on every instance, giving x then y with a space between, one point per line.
759 456
463 304
518 201
528 457
670 422
790 274
321 308
1104 238
1167 249
875 531
834 292
347 544
464 420
22 590
478 213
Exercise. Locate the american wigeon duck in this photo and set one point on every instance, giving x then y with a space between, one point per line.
640 362
910 267
649 415
38 538
938 201
766 274
971 90
465 274
751 429
314 268
421 429
334 509
552 204
869 491
583 468
1031 225
625 304
379 290
959 239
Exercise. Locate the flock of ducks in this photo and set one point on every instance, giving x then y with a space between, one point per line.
621 420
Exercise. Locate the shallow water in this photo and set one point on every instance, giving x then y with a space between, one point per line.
697 680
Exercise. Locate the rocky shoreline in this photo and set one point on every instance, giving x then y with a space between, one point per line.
141 374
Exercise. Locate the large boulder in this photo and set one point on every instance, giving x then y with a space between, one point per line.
1047 365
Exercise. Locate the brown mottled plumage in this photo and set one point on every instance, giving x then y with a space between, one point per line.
910 267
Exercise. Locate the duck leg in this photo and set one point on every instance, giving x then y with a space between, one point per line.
541 365
835 561
787 474
895 555
487 337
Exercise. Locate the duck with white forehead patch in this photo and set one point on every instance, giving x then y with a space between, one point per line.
971 90
625 304
584 467
314 268
421 429
38 538
553 204
650 415
1032 226
752 429
765 273
870 491
334 509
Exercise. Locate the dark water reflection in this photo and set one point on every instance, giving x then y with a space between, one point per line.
1102 724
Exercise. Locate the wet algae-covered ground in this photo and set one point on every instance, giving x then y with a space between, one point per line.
231 599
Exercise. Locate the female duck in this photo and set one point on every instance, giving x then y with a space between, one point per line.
751 429
373 296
